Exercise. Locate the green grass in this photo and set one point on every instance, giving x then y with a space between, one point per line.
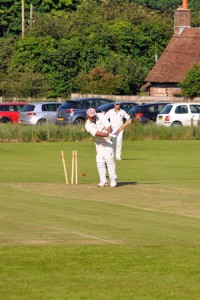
140 240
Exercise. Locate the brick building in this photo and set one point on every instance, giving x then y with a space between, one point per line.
182 52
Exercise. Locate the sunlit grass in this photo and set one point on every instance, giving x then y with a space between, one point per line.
137 241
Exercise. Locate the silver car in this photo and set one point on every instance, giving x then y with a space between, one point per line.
38 113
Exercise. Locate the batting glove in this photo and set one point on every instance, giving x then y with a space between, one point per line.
112 136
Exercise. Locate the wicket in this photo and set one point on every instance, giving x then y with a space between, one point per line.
64 167
74 172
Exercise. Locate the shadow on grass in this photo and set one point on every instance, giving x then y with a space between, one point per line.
131 159
126 183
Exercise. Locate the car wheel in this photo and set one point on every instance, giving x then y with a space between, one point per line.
135 120
176 124
79 122
41 122
150 122
5 121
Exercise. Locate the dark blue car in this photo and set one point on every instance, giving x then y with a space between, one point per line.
146 112
124 105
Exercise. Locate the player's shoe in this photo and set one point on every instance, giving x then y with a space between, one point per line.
113 183
118 158
102 184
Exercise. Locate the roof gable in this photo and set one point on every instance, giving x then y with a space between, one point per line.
182 52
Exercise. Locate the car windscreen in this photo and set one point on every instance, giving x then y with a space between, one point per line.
136 109
28 107
71 104
195 108
166 109
127 106
105 106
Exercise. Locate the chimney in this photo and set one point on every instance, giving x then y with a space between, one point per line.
182 18
185 4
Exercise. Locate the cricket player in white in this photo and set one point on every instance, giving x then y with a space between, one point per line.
116 117
97 125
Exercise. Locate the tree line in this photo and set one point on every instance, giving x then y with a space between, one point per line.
91 46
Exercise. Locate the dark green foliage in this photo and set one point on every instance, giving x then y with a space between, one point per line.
74 37
99 81
132 71
160 4
6 51
194 5
10 12
170 5
118 36
191 84
10 17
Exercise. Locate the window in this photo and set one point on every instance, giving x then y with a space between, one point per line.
126 107
19 107
160 107
28 107
181 109
87 104
102 101
44 107
195 109
151 109
94 103
79 105
11 108
4 107
57 105
51 107
166 109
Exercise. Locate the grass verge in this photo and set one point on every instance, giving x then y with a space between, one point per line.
54 133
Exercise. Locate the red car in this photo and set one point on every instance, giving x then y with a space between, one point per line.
9 111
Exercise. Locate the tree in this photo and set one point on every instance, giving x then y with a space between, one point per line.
10 12
116 35
191 84
132 71
24 84
99 81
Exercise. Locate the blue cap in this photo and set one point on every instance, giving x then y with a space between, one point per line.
118 102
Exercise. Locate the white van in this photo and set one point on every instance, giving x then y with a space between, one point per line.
179 114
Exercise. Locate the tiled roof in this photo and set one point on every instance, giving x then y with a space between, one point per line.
182 52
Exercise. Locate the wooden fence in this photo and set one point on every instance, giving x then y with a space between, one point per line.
136 99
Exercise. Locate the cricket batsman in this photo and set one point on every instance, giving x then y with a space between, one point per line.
99 127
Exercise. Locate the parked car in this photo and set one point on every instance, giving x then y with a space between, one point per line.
74 111
178 114
38 113
9 111
124 105
146 112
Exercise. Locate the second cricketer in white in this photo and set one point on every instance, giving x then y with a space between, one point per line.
116 117
98 126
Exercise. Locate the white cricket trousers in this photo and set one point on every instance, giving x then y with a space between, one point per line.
105 157
119 141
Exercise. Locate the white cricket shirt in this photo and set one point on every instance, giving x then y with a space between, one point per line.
101 125
116 118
